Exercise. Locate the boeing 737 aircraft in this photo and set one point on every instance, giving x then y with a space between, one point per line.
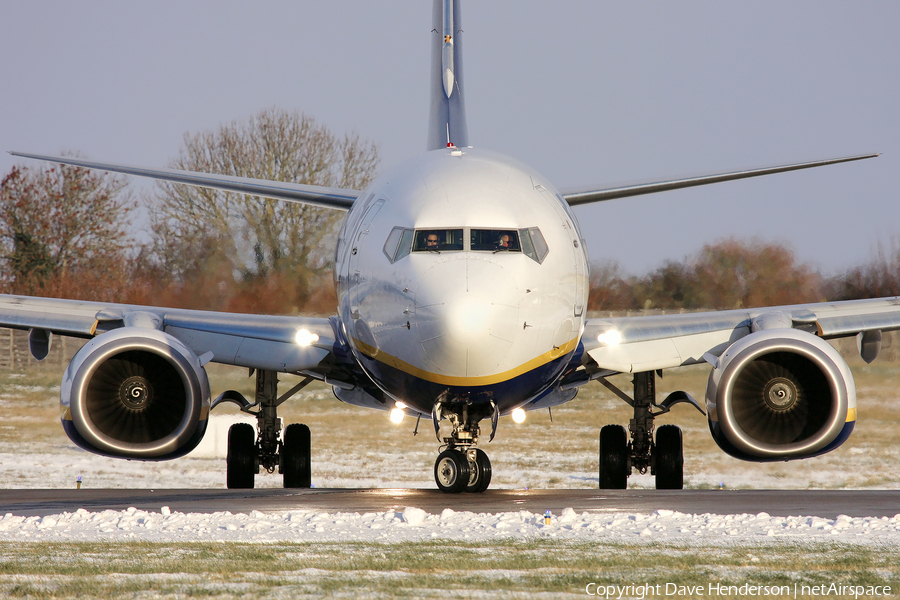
462 279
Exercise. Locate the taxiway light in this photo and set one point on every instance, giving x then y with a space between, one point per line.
518 415
305 337
610 338
397 415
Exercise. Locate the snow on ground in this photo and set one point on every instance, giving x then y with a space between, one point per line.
414 524
59 465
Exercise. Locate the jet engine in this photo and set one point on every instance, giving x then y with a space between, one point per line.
135 393
780 394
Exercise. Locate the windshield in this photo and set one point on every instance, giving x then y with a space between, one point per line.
438 240
495 240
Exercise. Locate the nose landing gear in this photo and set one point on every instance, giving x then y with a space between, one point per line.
461 467
462 471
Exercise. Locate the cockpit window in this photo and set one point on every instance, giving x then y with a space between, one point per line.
533 244
398 243
526 241
405 244
438 240
495 240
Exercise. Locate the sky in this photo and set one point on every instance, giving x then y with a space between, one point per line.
587 93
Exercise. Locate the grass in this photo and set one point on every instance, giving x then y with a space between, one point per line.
423 569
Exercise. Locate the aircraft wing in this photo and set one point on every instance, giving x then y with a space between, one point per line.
647 343
576 197
277 190
255 341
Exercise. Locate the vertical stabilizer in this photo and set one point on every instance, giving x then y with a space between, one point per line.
447 117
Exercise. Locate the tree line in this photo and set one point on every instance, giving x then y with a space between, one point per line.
74 233
735 273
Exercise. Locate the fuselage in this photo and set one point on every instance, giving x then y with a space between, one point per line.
462 274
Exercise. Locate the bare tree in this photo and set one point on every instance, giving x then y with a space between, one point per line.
59 228
879 277
610 289
728 274
257 238
743 274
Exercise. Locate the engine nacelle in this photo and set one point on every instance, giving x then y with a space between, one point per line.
135 393
780 394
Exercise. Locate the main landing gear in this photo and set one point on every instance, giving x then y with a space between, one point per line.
664 457
462 467
247 451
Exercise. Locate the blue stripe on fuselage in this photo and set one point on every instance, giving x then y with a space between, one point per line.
421 394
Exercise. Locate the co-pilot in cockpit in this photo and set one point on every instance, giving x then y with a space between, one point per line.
494 240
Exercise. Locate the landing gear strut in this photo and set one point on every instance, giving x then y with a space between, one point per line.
247 453
462 467
664 458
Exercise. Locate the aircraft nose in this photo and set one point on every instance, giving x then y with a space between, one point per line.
466 316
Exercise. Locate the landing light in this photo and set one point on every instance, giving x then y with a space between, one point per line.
397 415
518 415
610 338
305 337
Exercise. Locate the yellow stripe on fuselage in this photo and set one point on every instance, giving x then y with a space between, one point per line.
534 363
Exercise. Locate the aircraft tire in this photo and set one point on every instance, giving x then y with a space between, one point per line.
669 458
241 460
613 458
295 456
451 471
479 473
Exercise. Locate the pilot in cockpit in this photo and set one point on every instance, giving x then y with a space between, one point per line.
431 242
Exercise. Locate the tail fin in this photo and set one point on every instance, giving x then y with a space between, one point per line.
447 117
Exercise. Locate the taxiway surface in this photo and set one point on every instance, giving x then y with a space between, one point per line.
821 503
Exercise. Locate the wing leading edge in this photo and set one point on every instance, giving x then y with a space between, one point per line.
577 197
326 197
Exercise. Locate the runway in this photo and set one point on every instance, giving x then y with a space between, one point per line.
820 503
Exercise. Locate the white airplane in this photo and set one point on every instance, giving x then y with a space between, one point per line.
462 279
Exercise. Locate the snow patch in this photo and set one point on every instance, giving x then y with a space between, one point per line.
416 524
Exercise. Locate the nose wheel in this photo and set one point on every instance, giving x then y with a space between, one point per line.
451 471
479 472
462 467
458 471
